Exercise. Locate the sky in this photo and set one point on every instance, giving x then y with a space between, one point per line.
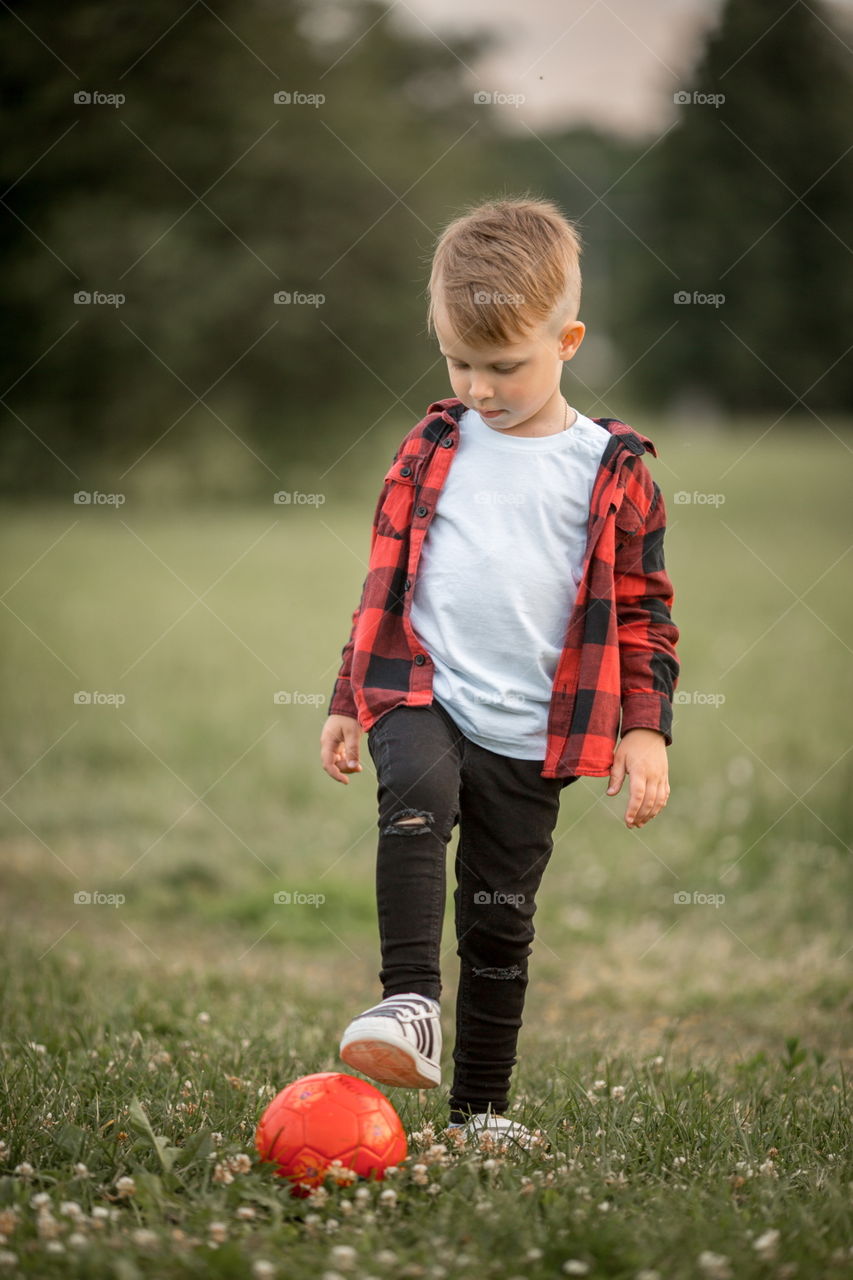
614 63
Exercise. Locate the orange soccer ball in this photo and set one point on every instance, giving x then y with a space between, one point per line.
325 1117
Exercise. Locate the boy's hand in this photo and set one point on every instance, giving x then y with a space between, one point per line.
339 747
641 754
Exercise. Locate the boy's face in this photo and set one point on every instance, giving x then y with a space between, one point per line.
515 388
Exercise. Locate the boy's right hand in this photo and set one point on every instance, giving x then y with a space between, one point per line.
339 747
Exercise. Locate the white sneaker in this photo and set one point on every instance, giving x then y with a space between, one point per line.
397 1042
496 1126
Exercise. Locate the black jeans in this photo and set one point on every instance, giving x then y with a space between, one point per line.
425 766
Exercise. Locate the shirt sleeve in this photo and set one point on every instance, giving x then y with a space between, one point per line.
649 666
342 702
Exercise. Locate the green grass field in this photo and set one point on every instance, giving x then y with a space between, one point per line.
688 1062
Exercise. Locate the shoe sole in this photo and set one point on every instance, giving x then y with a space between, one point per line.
382 1057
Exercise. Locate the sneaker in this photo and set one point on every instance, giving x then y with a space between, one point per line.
397 1042
496 1126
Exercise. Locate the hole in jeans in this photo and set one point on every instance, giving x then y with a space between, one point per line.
512 971
409 822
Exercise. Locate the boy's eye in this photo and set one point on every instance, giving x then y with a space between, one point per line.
506 368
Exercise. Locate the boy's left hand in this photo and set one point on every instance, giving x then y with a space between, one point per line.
642 755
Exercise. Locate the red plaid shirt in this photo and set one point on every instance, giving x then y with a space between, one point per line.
619 651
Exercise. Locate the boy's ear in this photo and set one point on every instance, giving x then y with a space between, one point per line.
571 338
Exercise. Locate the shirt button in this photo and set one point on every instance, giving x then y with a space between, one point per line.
447 443
405 471
407 584
420 659
421 511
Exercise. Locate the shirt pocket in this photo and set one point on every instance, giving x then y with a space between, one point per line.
401 484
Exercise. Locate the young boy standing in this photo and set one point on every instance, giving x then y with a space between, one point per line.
516 605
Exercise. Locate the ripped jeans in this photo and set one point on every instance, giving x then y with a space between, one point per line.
427 769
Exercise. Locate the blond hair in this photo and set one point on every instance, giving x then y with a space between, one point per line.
505 266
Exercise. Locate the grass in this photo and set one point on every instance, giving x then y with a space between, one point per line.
689 1063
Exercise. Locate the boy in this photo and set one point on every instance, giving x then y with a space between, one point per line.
516 602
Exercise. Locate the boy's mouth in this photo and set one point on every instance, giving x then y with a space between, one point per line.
490 413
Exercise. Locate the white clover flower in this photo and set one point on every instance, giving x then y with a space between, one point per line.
246 1212
39 1200
343 1256
386 1257
618 1092
575 1267
7 1258
714 1265
24 1170
126 1186
144 1238
262 1270
204 1018
766 1244
217 1231
81 1170
77 1240
100 1211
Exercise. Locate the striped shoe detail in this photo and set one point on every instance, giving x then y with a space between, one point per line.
397 1042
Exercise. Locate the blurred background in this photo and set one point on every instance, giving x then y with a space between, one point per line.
217 223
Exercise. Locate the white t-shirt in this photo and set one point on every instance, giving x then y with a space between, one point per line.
498 576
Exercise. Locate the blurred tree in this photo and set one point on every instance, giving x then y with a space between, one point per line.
750 199
199 199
